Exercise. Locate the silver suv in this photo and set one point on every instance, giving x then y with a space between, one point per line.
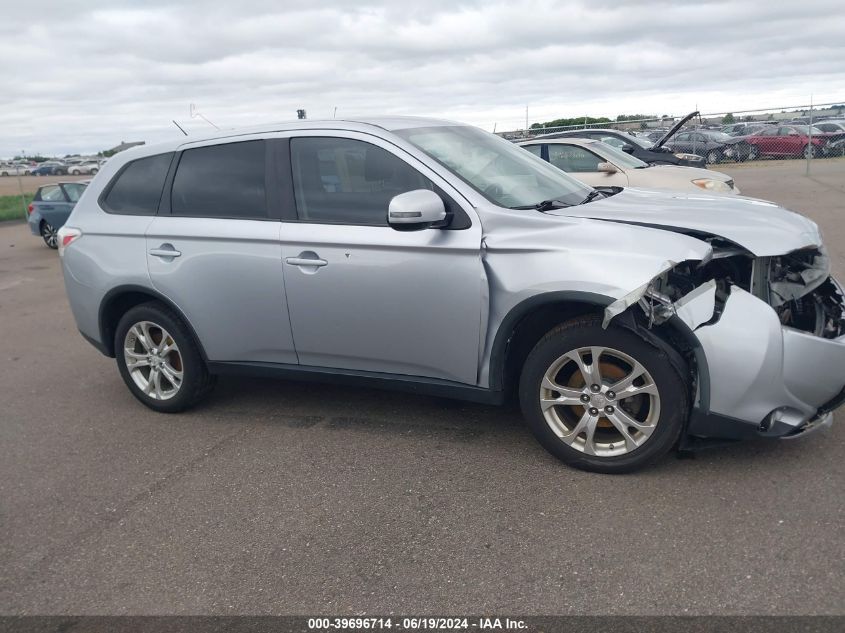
433 257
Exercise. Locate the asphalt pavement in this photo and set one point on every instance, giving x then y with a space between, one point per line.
279 497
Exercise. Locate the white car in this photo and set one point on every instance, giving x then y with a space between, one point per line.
84 168
14 170
599 164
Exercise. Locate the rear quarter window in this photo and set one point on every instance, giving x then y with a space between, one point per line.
136 190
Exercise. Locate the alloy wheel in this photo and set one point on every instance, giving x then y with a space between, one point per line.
50 235
600 401
153 360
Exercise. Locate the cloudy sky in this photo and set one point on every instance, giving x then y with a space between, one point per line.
80 76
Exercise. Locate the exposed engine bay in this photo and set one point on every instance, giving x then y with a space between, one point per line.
797 285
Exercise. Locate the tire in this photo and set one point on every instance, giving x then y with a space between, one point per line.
713 156
754 153
810 151
49 234
94 171
74 172
660 407
157 325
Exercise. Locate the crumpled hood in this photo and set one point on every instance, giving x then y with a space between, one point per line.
763 228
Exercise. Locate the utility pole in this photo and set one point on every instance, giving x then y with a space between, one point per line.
526 116
20 186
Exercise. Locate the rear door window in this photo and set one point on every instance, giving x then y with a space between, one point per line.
137 188
221 181
74 191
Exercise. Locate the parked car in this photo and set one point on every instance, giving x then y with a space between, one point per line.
746 127
833 128
50 208
9 169
89 168
434 257
50 168
714 145
646 150
601 165
787 141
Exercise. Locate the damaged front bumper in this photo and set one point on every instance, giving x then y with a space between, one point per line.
765 378
772 367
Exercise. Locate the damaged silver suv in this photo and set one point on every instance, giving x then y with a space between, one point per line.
436 258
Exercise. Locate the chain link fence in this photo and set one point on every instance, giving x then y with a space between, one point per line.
798 132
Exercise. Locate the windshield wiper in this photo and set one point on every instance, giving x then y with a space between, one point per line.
545 205
595 193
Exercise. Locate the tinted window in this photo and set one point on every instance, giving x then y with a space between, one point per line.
534 149
52 193
685 136
137 189
221 181
572 158
345 181
74 191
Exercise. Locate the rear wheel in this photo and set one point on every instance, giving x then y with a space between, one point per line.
811 151
159 360
713 156
603 400
49 234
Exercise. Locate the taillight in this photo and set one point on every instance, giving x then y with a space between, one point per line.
67 236
30 208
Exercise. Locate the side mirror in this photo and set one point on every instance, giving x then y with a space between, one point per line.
628 148
607 168
415 210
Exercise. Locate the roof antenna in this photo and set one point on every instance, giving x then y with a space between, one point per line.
197 114
180 127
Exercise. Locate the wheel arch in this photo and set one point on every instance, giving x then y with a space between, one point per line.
117 301
528 321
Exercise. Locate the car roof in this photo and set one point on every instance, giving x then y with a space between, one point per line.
570 133
568 139
390 123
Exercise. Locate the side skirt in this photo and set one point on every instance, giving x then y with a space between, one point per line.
376 380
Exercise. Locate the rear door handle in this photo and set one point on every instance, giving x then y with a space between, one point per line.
165 250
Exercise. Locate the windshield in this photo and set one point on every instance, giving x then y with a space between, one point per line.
502 172
620 158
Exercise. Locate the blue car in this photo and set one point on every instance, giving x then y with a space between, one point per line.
50 168
51 207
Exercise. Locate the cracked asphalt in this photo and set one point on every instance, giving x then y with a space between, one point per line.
279 497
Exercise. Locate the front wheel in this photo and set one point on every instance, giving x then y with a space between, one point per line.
603 400
754 153
159 360
713 156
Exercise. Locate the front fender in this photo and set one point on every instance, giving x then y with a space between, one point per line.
569 259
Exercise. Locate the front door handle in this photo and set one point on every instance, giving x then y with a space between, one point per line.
305 261
308 261
165 250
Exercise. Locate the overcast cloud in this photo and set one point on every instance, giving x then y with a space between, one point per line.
82 76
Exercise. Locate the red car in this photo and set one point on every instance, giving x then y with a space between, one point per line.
787 140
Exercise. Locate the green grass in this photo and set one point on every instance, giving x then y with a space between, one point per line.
11 207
